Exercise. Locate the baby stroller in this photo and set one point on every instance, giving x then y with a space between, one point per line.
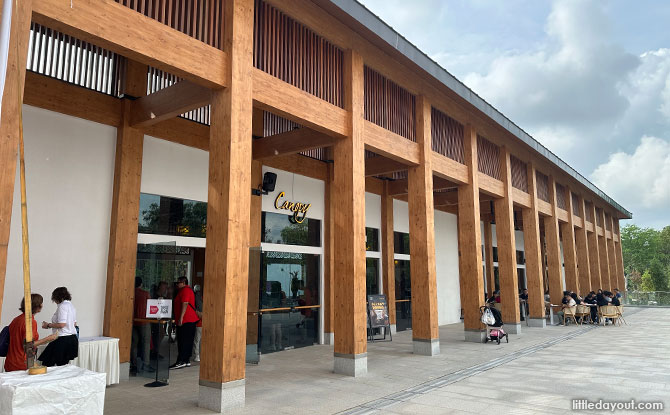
492 318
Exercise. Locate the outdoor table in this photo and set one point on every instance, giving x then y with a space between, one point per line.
62 390
99 354
551 313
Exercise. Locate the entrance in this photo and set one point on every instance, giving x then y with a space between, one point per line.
403 295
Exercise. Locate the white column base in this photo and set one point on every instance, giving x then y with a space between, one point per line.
475 336
221 397
426 347
512 328
537 322
329 338
351 365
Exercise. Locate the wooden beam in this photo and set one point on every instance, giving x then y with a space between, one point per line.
425 333
181 131
446 198
299 164
225 293
491 186
581 239
470 241
504 213
374 185
554 264
122 256
387 247
521 198
533 252
349 154
449 169
169 102
569 246
562 215
9 123
389 144
544 208
283 99
119 29
51 94
594 252
290 142
380 165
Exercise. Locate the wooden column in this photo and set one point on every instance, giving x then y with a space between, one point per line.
470 241
350 317
122 256
553 248
255 236
9 123
583 267
488 253
425 333
569 251
533 253
594 252
225 294
388 262
329 257
619 257
604 256
504 213
614 269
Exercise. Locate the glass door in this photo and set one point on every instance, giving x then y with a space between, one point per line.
403 295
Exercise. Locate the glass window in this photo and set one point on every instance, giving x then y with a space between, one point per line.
371 276
280 229
401 243
496 277
171 216
521 278
372 239
495 254
403 295
520 258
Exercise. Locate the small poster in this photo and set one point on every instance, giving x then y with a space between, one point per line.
378 311
160 308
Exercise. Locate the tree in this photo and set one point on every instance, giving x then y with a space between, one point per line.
634 281
647 284
639 246
659 275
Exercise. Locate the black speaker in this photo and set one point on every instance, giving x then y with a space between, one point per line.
269 181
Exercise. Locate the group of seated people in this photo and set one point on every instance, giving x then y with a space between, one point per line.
599 299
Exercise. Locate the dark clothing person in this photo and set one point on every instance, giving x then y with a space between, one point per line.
601 300
615 301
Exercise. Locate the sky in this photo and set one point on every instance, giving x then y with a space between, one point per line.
589 79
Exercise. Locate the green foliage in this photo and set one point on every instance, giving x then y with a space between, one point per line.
646 251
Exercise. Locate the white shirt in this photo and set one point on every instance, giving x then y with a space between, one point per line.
572 302
65 313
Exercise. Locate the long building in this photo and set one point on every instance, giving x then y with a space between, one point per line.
150 126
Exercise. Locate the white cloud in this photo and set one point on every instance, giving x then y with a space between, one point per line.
640 180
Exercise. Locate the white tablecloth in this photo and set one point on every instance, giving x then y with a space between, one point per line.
62 390
99 354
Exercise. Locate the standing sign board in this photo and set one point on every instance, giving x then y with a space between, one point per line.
161 308
378 315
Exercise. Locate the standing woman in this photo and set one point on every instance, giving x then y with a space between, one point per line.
66 347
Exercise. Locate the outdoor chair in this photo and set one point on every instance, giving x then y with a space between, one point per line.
570 313
608 311
620 315
584 313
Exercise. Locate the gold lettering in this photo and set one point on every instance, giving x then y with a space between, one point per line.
296 207
279 196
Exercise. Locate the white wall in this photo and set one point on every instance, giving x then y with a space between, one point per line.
296 188
373 211
400 216
69 176
446 265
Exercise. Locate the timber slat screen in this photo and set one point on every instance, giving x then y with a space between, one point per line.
389 105
542 186
560 196
488 157
274 124
575 205
295 54
71 60
519 174
200 19
589 214
446 136
608 224
599 217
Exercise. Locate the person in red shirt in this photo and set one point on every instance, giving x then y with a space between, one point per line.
185 319
16 355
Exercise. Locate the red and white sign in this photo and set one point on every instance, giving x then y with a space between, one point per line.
160 308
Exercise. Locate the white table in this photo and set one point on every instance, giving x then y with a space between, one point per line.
99 354
62 390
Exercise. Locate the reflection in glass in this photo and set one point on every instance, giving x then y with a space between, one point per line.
289 280
403 293
171 216
372 239
401 243
279 229
371 276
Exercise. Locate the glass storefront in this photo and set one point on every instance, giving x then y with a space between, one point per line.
163 215
289 300
372 276
403 295
281 229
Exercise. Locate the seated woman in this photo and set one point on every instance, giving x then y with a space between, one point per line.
16 355
66 346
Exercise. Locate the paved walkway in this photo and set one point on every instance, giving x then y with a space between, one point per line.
539 371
